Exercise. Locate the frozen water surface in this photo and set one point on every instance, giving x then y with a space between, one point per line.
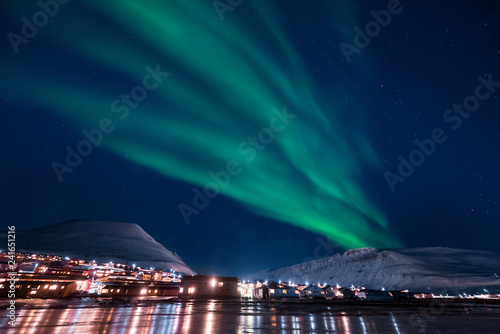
86 316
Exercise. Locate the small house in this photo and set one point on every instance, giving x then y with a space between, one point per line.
279 291
313 291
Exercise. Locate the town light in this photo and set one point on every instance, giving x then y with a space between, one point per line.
213 282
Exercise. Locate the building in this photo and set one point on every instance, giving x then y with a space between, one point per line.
275 290
138 288
348 293
313 291
44 286
283 291
261 292
200 286
247 288
401 294
333 292
422 295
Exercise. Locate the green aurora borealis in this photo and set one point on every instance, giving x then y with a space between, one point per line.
226 79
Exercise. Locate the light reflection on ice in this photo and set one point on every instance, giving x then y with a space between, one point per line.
212 317
396 327
209 318
363 326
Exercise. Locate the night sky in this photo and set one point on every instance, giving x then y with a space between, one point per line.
241 136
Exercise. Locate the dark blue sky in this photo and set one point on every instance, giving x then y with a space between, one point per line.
395 91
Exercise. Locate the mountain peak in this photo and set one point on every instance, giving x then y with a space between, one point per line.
418 269
102 241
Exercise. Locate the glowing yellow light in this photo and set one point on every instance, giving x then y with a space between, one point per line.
213 282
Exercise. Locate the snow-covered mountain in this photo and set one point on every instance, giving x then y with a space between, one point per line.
423 269
102 241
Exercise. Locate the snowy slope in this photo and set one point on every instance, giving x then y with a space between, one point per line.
102 241
422 269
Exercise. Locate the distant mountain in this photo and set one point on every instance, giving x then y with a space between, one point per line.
423 269
102 241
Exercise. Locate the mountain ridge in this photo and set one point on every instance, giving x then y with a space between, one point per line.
102 241
425 268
